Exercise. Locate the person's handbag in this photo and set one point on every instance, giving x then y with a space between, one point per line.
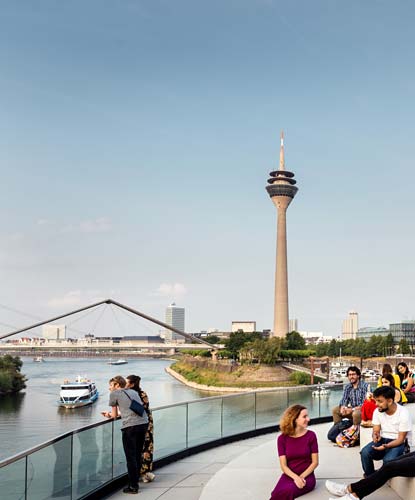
348 437
337 428
135 406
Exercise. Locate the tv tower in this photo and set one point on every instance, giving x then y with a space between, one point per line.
282 190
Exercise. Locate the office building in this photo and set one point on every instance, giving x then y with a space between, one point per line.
175 317
293 325
350 326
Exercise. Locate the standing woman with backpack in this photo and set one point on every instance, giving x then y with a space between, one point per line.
146 471
133 427
407 381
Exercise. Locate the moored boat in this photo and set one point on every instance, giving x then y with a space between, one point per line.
118 362
82 392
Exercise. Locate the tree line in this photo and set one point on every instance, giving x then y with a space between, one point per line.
11 380
253 348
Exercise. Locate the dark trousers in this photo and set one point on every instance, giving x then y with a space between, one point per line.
403 466
133 441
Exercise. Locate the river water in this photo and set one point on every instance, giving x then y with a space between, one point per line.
33 416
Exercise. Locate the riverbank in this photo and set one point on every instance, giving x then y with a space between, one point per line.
222 378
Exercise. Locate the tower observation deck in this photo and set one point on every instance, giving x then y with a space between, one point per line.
282 189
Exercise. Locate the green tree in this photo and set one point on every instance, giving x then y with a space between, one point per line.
294 341
322 349
212 339
11 380
404 347
389 344
333 349
238 339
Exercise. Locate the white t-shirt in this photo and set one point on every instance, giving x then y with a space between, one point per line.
391 425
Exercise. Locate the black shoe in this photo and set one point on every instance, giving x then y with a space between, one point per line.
130 489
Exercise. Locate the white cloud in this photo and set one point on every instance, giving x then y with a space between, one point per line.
173 290
98 225
72 298
43 222
77 298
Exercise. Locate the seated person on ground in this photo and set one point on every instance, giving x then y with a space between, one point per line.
391 424
403 466
298 453
353 397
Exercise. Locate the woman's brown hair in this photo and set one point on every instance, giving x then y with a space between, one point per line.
118 379
287 422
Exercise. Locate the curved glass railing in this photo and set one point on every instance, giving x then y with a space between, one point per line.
74 465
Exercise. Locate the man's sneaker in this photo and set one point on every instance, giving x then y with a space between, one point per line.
130 489
338 489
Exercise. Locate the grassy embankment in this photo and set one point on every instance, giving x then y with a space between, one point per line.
244 376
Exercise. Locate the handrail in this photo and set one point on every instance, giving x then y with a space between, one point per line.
78 430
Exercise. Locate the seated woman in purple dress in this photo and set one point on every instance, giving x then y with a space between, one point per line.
298 452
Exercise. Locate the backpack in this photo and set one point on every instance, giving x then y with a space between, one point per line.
349 437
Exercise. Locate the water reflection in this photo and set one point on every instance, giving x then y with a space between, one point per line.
11 403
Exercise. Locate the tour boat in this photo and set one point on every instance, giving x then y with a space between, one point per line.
38 359
118 362
82 392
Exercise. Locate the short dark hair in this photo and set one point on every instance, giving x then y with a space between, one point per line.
354 369
386 391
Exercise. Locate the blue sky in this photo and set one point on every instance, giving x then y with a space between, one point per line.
136 140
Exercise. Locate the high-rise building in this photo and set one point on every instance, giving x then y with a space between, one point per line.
282 190
350 326
54 332
293 325
174 318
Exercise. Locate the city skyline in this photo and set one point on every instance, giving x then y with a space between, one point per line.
136 138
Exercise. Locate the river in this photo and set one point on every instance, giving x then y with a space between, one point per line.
33 416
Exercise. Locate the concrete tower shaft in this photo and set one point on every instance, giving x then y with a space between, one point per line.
282 190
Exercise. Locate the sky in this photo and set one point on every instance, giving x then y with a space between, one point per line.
136 139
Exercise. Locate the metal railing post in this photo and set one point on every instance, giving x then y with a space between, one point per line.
187 425
71 469
221 418
25 478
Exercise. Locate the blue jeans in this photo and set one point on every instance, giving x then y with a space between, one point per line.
368 454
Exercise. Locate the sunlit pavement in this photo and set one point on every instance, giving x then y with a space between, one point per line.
248 470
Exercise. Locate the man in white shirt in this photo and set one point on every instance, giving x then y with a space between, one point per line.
391 424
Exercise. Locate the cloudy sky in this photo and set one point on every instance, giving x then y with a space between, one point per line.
136 138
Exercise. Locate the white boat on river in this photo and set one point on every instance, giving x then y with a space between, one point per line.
82 392
118 362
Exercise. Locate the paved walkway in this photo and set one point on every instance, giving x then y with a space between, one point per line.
248 470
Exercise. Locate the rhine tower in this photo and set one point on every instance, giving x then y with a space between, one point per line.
282 190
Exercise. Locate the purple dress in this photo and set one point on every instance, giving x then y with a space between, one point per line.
298 453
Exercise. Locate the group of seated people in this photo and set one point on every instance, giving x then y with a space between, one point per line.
402 382
391 422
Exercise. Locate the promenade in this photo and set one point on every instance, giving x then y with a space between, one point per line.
248 470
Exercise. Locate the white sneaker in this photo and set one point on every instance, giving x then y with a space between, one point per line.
338 489
349 496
